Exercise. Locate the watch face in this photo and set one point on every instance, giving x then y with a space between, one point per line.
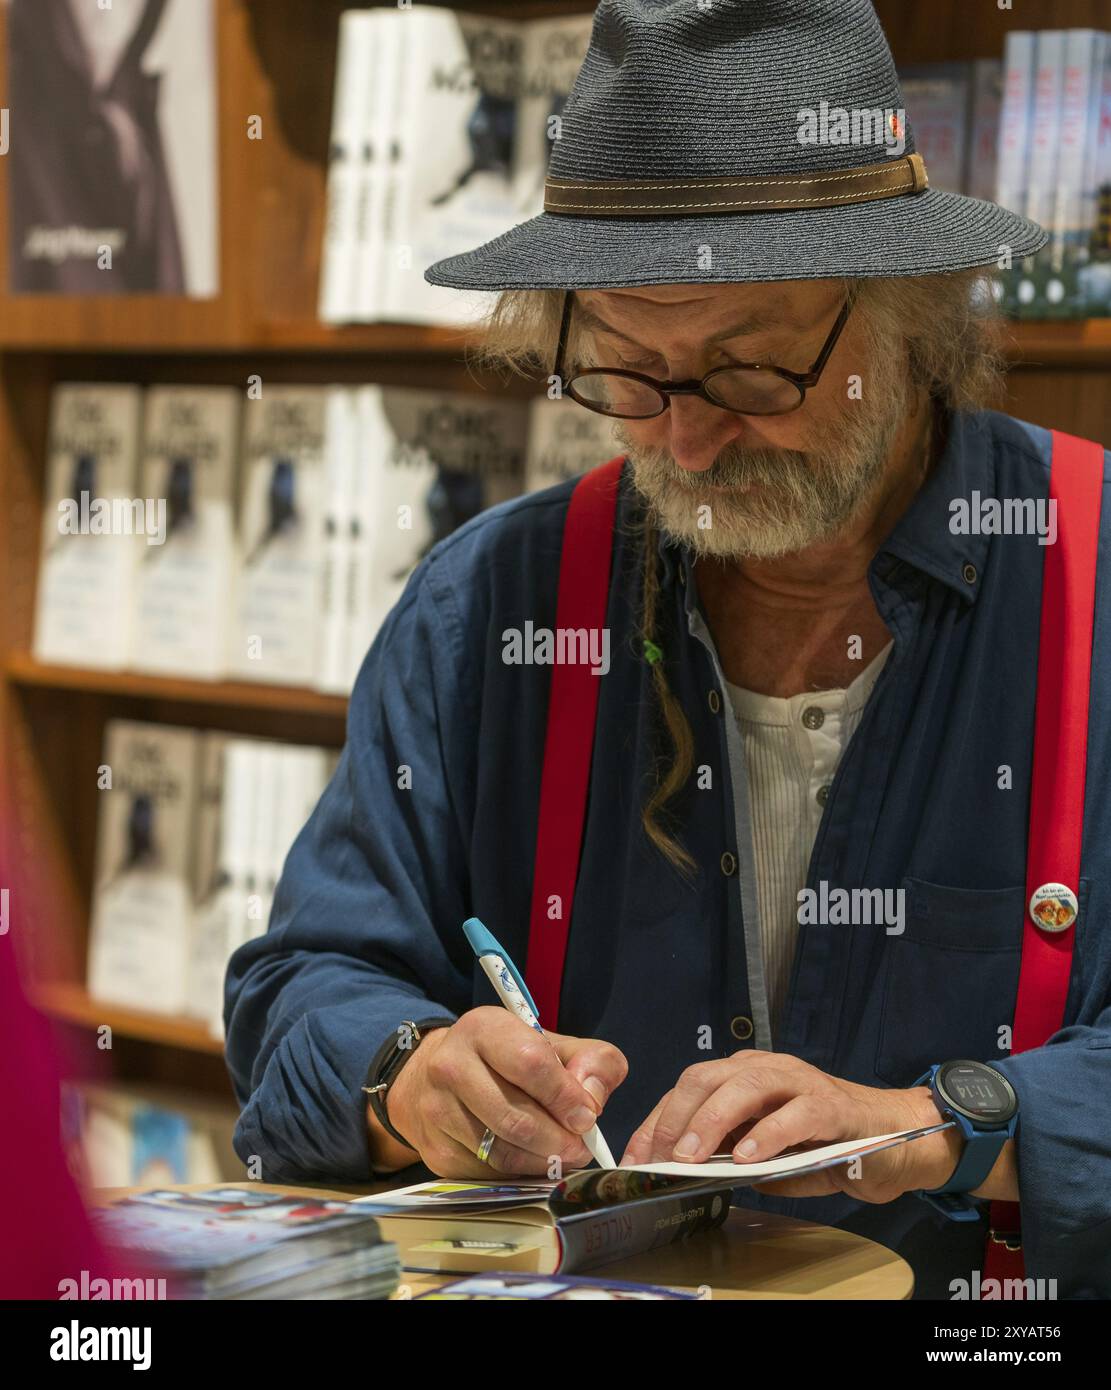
977 1091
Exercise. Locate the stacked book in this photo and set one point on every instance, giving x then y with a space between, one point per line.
1033 133
239 1243
442 124
191 532
193 829
1055 167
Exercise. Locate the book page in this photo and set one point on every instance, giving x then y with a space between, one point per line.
809 1161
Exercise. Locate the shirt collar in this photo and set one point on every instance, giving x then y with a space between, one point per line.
922 536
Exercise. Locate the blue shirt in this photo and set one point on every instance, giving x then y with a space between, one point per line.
366 926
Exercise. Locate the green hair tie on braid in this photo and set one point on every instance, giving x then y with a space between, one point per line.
652 653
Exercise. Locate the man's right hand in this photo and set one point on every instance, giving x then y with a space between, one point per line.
489 1070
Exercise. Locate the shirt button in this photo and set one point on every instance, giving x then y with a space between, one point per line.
741 1028
728 864
715 701
813 717
821 796
969 574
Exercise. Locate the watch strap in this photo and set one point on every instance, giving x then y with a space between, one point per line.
978 1157
976 1161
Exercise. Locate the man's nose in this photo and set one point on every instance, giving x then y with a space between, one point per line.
699 430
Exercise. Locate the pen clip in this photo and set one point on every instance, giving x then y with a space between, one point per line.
485 944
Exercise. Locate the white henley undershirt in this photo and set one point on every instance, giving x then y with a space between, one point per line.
792 747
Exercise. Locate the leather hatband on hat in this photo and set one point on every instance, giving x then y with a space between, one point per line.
758 193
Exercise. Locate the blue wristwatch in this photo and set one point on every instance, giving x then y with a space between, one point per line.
983 1105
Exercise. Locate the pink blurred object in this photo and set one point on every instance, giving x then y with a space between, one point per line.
46 1235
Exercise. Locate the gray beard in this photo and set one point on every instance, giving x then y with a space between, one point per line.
800 499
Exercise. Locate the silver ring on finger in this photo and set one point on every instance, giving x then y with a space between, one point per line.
483 1150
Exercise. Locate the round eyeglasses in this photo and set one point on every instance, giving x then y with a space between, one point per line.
747 388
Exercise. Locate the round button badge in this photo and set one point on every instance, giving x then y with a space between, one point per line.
1053 907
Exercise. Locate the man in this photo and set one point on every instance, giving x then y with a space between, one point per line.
814 688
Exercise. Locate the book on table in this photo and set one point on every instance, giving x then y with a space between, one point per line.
589 1218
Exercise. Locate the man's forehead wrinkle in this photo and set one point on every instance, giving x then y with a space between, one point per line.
775 314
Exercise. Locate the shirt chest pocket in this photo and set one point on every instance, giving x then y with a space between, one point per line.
949 981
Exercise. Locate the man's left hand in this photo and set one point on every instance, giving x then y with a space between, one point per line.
761 1104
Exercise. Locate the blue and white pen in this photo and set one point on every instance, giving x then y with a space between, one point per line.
513 992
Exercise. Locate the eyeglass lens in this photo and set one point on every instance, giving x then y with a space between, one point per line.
743 389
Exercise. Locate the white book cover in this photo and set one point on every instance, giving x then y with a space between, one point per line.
983 141
1045 148
379 166
239 837
565 441
277 633
439 458
139 947
456 136
349 160
208 960
289 798
372 438
264 826
183 613
316 768
1045 125
302 775
552 54
937 100
1074 205
92 515
208 956
338 526
392 253
1014 120
228 915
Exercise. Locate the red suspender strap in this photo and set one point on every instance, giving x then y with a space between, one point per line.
1059 766
584 581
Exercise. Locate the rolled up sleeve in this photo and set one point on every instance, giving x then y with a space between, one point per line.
365 928
1064 1158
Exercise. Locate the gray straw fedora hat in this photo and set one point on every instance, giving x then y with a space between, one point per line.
733 141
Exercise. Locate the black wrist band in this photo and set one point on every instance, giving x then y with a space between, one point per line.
386 1065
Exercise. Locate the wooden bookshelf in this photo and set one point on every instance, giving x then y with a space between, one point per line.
70 1003
23 670
276 60
1084 343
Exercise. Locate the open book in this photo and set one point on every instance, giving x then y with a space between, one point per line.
591 1217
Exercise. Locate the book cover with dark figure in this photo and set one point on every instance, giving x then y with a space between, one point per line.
112 148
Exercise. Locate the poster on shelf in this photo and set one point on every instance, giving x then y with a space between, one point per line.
113 166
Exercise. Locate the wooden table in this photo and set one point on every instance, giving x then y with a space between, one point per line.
754 1255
